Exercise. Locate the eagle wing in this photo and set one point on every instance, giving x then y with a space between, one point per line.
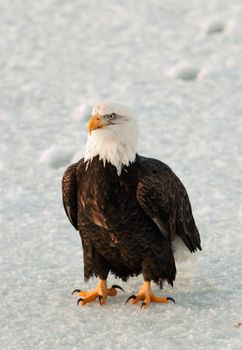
164 198
70 183
69 194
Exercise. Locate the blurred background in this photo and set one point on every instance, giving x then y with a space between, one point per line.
179 66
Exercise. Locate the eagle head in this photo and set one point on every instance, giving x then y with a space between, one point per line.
112 135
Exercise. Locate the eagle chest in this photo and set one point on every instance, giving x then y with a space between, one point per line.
105 201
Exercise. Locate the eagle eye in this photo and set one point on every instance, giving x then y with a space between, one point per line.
112 116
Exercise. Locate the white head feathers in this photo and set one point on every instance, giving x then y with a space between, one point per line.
116 140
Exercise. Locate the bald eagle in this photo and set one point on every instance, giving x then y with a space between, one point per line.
130 210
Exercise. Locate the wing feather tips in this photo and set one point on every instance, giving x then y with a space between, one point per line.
69 193
197 241
190 235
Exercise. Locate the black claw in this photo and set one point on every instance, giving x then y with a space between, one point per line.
76 291
131 297
169 298
117 287
100 299
78 301
143 305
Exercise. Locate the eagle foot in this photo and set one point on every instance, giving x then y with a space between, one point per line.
145 294
101 292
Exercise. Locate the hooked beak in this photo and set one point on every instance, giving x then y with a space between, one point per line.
95 122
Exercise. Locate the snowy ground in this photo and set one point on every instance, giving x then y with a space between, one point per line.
179 65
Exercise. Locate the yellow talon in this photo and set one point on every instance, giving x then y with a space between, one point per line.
101 292
145 294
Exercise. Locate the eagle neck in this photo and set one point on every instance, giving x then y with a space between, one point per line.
112 148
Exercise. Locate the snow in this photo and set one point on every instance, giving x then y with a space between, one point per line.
83 111
59 56
183 71
214 26
56 157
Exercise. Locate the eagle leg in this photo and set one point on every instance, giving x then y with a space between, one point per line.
101 292
146 295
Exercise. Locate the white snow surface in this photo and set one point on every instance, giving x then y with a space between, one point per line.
58 57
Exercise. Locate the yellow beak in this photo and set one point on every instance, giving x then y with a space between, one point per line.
94 123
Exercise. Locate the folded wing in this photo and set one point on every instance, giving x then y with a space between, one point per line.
164 198
69 194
